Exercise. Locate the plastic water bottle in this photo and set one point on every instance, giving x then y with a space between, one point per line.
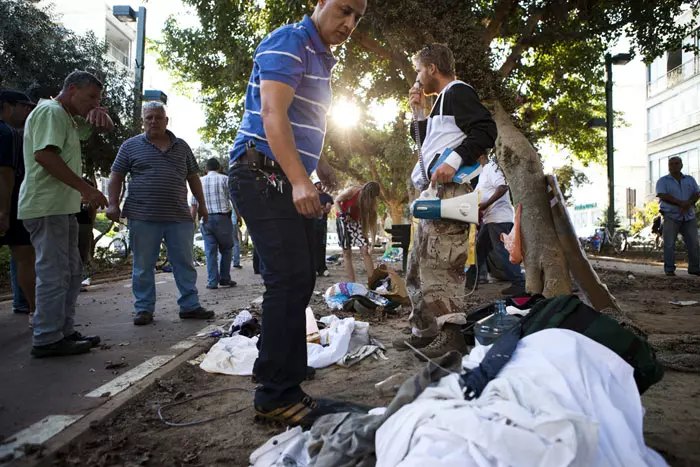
487 331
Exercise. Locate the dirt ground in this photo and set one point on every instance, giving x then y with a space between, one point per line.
136 435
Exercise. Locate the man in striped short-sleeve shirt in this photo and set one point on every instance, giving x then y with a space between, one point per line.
288 97
161 165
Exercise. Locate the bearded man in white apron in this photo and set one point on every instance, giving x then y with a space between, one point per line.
458 122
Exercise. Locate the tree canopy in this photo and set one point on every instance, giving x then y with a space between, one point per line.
37 54
543 60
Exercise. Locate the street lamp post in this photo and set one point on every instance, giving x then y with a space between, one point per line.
610 60
126 14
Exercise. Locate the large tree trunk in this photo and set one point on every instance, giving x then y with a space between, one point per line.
396 212
546 270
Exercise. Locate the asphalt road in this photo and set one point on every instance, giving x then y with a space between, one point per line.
32 389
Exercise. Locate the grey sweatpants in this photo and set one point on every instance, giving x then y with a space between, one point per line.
58 276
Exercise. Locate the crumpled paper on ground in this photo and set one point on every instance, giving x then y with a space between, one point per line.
232 356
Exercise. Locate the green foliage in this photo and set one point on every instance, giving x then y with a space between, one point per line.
37 54
603 220
569 178
644 216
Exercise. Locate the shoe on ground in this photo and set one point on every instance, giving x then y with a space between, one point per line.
212 287
62 348
141 319
228 283
450 338
198 313
417 342
238 266
670 273
20 311
77 337
694 273
305 412
514 289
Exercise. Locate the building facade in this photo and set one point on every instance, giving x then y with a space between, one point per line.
673 111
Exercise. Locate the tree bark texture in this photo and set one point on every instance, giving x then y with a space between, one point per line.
546 269
396 211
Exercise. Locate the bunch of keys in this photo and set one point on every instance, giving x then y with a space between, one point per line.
275 182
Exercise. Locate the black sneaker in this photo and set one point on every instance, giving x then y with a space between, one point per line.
212 287
62 348
670 273
141 319
305 412
77 337
199 313
694 273
228 283
238 266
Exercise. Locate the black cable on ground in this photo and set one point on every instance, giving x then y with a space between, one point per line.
200 396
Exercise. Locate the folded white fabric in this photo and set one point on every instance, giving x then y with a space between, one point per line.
562 400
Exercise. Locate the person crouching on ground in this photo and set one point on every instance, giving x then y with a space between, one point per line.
356 222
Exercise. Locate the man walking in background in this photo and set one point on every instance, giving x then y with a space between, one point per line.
161 165
217 231
49 198
497 218
678 194
14 110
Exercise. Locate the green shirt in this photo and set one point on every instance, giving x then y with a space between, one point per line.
41 193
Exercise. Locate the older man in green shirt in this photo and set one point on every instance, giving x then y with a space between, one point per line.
50 197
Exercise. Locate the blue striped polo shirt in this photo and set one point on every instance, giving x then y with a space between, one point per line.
157 190
295 55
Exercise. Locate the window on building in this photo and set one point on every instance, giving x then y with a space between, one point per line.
674 59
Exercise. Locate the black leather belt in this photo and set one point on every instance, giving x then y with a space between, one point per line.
265 163
227 214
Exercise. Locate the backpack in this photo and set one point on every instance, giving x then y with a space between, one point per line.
568 312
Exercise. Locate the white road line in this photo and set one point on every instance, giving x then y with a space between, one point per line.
184 345
137 373
161 282
38 433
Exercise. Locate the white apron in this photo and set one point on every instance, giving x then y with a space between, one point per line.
442 133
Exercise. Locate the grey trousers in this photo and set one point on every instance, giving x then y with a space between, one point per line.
58 276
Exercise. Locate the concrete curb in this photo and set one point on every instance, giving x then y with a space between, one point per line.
81 428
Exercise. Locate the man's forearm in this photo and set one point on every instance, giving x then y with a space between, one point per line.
279 134
669 199
500 192
196 187
7 184
57 168
114 188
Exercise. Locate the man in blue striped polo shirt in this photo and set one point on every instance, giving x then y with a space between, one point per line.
161 165
288 97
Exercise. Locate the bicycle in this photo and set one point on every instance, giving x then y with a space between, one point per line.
601 238
119 249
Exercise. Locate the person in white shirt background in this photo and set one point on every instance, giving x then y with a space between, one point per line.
497 218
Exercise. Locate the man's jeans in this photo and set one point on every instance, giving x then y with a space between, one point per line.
58 276
491 251
236 240
689 230
285 242
19 301
145 240
218 237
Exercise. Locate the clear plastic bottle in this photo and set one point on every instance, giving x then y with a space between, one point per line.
490 329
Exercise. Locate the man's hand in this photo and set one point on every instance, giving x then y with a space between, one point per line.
444 174
416 100
203 213
94 197
4 222
305 196
483 206
114 213
100 119
327 176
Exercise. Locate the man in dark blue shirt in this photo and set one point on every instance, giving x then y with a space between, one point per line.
277 147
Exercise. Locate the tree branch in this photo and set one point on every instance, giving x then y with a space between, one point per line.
494 25
372 45
523 42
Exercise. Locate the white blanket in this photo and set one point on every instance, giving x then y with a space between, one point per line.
562 400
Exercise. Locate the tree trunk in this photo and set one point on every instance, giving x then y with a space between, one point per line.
546 270
396 212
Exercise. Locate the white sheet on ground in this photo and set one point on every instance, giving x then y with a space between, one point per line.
231 356
287 449
562 400
339 335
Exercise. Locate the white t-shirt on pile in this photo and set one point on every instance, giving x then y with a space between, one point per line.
502 210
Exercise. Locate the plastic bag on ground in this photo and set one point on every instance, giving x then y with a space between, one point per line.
339 336
231 356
